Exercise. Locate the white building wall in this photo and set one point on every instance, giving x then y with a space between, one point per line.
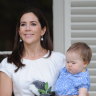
61 24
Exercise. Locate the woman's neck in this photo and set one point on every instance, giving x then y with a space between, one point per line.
34 52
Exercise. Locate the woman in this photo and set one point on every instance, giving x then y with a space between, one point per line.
32 57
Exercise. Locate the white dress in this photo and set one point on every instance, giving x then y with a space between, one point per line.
43 69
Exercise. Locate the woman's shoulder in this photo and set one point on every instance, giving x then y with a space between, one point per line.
58 54
5 63
58 57
6 67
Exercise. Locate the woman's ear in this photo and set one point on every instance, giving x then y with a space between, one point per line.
43 31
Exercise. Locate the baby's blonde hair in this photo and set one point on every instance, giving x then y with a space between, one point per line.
83 49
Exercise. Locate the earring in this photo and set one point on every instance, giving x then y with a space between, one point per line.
20 40
42 38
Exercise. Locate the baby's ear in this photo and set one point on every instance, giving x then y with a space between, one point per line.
85 64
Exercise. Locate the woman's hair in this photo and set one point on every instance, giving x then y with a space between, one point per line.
83 49
18 48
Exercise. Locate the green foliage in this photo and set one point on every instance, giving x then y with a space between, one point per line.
42 91
46 90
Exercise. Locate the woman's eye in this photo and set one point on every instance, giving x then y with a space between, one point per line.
22 24
33 24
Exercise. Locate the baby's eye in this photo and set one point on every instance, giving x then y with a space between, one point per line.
73 63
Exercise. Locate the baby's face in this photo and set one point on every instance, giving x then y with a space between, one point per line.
75 63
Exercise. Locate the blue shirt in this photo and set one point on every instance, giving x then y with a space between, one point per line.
69 84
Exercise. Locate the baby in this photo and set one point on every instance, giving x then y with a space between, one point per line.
74 78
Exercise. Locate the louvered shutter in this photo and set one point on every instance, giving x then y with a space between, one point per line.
75 20
83 28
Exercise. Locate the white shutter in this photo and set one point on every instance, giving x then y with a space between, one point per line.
5 52
83 28
73 21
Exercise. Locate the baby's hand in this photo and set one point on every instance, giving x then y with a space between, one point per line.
68 95
75 95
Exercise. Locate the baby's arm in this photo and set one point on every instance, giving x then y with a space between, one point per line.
83 92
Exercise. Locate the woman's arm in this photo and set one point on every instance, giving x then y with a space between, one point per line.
5 85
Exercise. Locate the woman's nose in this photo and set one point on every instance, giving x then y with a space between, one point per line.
28 27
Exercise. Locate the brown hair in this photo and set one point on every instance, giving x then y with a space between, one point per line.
83 49
18 49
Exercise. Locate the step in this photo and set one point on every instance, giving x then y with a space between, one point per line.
92 64
93 79
92 93
92 71
93 87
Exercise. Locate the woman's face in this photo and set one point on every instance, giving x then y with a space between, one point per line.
30 30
